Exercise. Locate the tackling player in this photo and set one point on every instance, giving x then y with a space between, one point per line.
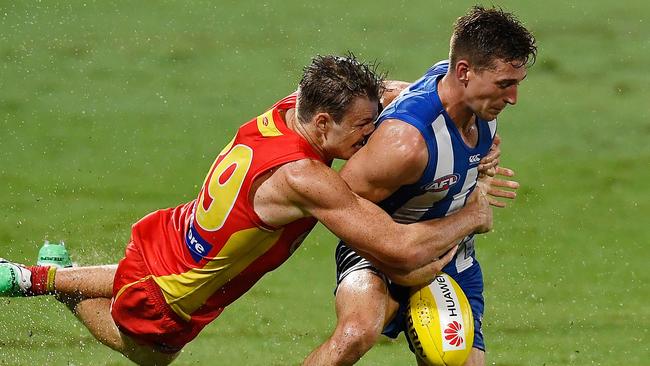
422 163
261 197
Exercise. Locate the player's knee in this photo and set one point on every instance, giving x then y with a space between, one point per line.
357 337
145 355
69 300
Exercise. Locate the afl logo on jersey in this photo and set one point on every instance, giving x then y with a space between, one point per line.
265 121
443 183
475 159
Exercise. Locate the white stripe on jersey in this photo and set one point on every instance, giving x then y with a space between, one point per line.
459 199
445 149
493 127
417 206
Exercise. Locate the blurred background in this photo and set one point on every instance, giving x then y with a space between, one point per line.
112 109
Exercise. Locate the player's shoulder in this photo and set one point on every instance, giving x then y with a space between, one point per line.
303 173
418 104
309 183
307 164
402 139
396 131
439 68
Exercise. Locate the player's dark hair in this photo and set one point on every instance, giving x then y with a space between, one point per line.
331 83
484 35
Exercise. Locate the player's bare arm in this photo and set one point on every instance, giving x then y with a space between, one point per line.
310 188
395 155
427 273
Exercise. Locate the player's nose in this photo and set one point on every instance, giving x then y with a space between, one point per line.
511 95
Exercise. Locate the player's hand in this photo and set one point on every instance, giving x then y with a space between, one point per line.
478 201
489 163
496 188
441 262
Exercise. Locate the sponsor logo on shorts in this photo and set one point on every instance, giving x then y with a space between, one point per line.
198 247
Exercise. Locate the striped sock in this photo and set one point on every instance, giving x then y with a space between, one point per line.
42 280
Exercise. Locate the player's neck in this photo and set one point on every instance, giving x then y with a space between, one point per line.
306 131
451 96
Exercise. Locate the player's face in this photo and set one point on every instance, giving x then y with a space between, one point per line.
349 135
489 91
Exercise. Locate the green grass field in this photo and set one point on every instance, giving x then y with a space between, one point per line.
110 110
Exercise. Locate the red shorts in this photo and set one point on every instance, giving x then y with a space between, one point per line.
140 311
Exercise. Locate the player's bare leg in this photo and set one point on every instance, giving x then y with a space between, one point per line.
78 284
476 358
95 315
87 291
88 282
363 307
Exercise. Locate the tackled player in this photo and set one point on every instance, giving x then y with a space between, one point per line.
422 163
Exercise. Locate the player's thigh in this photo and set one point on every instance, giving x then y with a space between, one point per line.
363 298
95 314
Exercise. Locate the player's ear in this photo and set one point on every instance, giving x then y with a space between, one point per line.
323 122
462 70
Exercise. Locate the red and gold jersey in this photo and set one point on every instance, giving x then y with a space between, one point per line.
205 254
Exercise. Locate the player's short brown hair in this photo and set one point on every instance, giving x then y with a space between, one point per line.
484 35
331 83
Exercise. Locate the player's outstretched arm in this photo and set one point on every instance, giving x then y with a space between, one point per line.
320 192
427 272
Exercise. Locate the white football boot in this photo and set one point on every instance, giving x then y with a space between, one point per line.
15 279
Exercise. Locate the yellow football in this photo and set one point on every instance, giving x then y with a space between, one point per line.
440 323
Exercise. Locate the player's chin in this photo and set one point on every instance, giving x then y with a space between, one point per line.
489 115
495 112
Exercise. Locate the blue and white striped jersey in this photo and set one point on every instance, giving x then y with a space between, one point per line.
452 170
